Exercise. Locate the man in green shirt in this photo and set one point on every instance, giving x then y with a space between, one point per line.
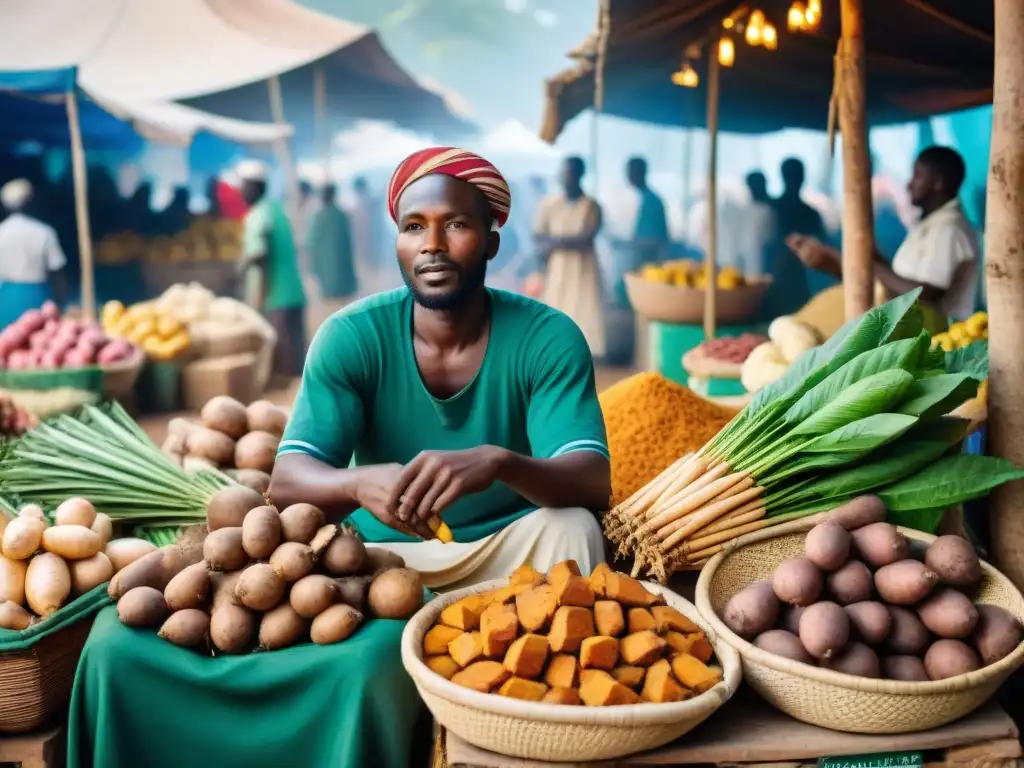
448 399
269 265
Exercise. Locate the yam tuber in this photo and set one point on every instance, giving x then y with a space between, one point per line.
640 619
569 628
435 642
599 689
445 666
631 677
561 571
464 614
524 574
694 674
518 688
667 618
535 607
569 696
660 686
641 649
526 656
562 672
481 676
628 591
599 653
499 626
608 618
576 590
695 644
599 579
466 648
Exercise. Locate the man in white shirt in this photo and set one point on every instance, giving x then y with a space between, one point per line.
748 229
30 256
940 254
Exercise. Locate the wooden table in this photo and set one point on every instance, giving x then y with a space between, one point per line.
749 732
41 749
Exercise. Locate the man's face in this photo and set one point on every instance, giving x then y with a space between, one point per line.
252 191
571 174
923 184
444 241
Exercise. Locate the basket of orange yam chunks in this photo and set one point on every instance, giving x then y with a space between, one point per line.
567 667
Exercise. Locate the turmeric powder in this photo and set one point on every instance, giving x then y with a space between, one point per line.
652 421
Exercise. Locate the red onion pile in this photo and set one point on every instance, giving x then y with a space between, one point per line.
41 339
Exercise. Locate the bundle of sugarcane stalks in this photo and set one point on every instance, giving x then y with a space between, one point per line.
864 413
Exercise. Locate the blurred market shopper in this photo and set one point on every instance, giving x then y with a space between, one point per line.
331 256
269 266
31 258
447 398
564 233
940 254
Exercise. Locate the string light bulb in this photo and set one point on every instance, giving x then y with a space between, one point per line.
796 18
686 77
752 34
769 37
814 6
812 16
726 52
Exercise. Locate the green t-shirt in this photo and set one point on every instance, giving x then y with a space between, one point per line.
266 229
362 400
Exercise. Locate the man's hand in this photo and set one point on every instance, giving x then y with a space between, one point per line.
815 254
434 480
373 493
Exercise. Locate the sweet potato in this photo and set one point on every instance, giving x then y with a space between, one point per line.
435 641
694 643
562 672
518 688
608 618
569 696
524 574
576 590
752 610
905 582
466 648
694 674
499 626
445 666
631 677
628 591
666 618
599 653
640 619
641 649
660 686
570 627
561 571
526 656
599 689
464 614
599 579
536 607
481 676
506 594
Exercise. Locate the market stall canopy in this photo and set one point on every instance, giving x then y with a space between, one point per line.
924 57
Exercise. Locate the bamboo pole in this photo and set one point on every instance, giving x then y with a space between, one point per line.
282 148
687 180
80 181
1004 282
858 226
711 255
322 132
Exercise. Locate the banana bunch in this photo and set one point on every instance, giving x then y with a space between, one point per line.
162 336
964 333
686 273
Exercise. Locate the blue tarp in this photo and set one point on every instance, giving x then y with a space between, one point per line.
39 81
26 119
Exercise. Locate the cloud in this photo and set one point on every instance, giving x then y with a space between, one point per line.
546 18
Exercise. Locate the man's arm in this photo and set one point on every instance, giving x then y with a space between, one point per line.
580 479
897 285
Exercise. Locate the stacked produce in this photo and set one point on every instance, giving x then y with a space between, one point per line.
43 567
732 349
687 273
863 413
42 340
161 336
974 328
564 638
206 239
266 580
14 420
788 338
863 602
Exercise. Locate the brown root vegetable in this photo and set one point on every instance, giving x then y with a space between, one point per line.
292 561
229 506
323 538
335 624
256 479
955 561
225 414
871 621
179 427
997 634
344 556
850 584
72 542
281 628
948 613
257 450
783 643
312 595
142 607
908 636
300 522
47 584
797 581
824 630
864 510
89 573
950 658
232 628
259 588
194 464
223 550
352 590
379 559
187 628
752 610
13 616
189 589
905 583
124 552
395 594
75 511
261 532
827 545
211 445
790 619
880 544
146 571
222 589
103 527
856 659
34 510
22 537
907 668
264 416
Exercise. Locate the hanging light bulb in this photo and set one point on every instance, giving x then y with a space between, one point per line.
728 22
814 6
686 77
795 19
756 19
769 37
812 16
752 34
726 52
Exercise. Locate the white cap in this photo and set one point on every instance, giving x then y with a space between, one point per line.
314 175
14 194
252 170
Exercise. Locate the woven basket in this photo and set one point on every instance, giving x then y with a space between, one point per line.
832 699
35 683
119 378
556 732
681 304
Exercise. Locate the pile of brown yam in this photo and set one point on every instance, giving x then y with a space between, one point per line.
565 638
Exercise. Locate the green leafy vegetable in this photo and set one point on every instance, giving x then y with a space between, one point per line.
938 395
949 481
972 360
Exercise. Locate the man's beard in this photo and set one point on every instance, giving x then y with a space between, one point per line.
470 281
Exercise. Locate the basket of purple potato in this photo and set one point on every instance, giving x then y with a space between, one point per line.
847 622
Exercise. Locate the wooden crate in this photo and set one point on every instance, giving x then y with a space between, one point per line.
43 749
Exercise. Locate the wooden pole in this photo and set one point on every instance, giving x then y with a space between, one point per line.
1004 282
687 181
322 133
858 224
283 150
711 255
80 181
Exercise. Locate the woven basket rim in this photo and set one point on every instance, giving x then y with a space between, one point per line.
752 653
627 715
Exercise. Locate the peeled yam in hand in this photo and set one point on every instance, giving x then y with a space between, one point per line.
22 537
72 542
47 584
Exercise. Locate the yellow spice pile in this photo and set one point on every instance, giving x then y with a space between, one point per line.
651 422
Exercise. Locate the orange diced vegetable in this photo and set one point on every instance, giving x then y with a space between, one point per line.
670 619
570 627
562 671
628 591
599 689
435 642
465 614
575 590
518 688
641 649
445 666
526 656
599 653
466 648
481 676
536 607
608 618
561 571
598 578
660 686
631 677
524 574
562 696
499 626
691 672
640 619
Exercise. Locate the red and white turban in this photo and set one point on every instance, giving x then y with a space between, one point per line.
459 164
